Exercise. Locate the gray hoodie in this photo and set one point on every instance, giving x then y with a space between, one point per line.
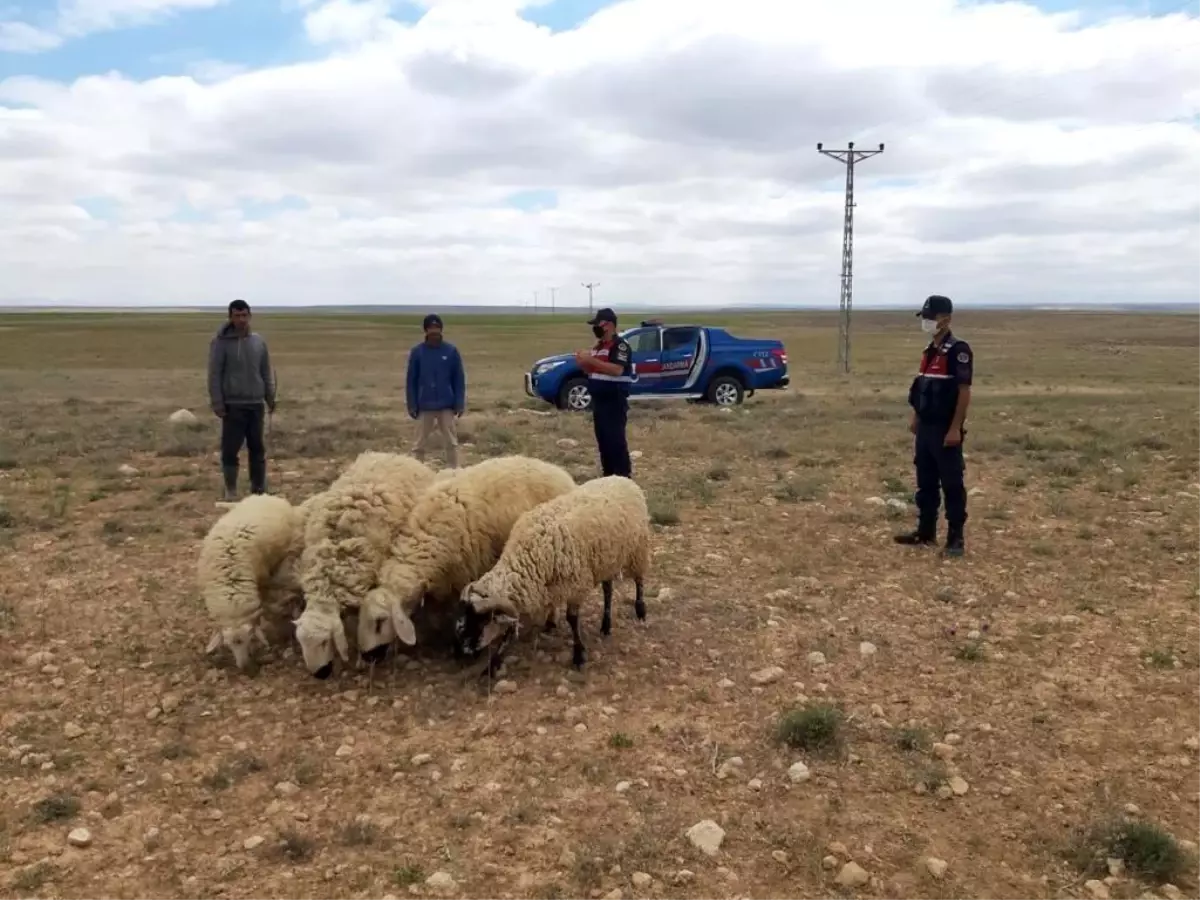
239 370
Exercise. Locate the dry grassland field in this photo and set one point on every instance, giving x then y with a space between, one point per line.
1021 722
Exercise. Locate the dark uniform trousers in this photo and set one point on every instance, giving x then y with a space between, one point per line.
939 466
610 409
244 425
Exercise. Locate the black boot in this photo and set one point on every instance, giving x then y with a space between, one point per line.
955 546
924 534
230 474
258 478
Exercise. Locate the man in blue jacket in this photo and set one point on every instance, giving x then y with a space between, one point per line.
437 390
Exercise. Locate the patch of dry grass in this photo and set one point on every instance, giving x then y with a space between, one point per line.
1054 665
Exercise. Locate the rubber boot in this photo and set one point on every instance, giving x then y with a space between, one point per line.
230 474
258 476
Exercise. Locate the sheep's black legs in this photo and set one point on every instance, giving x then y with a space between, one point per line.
496 653
578 653
550 624
639 604
606 622
495 660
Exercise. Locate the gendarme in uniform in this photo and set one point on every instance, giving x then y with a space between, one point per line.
939 396
609 367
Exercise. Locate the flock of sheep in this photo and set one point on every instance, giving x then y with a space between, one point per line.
470 555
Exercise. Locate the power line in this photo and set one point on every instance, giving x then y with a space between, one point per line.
848 158
590 286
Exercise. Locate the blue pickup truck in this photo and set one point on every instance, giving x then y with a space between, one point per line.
695 362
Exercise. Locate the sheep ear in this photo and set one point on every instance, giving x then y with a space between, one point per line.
214 643
405 630
339 641
261 635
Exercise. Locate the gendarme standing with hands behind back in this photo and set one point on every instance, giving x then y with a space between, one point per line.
436 389
240 382
939 397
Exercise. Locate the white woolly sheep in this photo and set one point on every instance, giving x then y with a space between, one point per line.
284 583
347 538
556 553
244 571
454 534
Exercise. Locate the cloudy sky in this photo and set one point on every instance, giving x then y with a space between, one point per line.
474 151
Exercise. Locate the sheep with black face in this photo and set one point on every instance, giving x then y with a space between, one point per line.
557 552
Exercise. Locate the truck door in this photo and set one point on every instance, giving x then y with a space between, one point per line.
646 347
680 357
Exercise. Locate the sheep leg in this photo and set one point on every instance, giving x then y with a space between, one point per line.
551 623
496 655
495 660
606 622
578 652
639 603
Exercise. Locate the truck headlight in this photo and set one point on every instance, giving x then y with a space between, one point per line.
545 367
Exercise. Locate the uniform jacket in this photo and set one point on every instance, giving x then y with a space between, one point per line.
612 350
239 370
944 368
435 379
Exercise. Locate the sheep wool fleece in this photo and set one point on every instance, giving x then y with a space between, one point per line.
350 529
346 540
562 549
241 554
457 531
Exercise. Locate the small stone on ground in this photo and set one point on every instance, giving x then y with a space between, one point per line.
706 836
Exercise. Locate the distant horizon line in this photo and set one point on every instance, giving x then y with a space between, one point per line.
498 309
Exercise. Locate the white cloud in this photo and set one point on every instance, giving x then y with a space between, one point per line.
1029 157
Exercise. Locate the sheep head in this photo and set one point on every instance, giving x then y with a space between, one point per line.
319 634
487 618
240 641
401 590
376 630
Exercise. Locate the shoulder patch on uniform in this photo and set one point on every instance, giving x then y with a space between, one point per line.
964 356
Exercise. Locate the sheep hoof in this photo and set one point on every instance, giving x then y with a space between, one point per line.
579 657
639 610
606 626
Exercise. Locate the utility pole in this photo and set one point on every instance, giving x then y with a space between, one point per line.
590 286
848 158
552 290
535 293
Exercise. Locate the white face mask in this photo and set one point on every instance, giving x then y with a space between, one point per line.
929 326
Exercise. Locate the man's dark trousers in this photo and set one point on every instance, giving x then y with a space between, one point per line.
939 466
609 412
244 425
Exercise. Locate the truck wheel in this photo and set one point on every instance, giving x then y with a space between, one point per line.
725 390
574 395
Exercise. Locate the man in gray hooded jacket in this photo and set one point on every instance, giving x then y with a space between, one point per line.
240 382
